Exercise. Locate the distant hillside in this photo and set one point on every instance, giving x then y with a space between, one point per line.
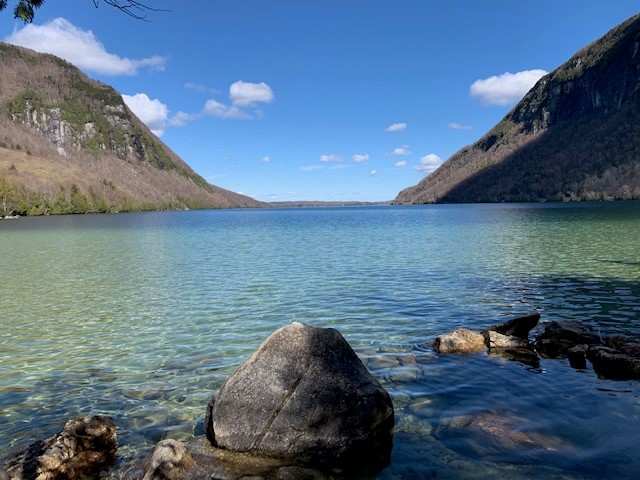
69 144
574 136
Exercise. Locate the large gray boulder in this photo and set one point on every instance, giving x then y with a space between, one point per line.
303 395
81 450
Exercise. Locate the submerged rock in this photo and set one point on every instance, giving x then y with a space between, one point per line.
461 340
496 434
81 450
171 460
304 395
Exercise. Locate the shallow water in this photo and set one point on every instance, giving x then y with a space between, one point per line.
143 316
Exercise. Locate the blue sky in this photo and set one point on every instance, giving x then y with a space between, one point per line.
319 99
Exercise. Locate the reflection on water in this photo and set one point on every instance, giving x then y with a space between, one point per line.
143 316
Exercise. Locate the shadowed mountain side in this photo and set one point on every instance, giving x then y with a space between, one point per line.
573 136
69 144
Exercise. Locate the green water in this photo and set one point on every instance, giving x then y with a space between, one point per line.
143 316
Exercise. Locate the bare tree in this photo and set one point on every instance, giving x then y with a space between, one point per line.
25 9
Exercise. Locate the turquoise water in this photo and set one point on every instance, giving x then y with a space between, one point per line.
143 316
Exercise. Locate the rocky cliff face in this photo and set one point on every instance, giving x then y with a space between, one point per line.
573 136
62 131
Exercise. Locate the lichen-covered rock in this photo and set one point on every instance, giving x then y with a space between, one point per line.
461 340
171 460
83 448
304 394
518 327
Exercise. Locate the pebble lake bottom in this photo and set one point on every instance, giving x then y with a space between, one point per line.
143 316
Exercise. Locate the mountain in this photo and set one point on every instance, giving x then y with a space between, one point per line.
69 144
574 136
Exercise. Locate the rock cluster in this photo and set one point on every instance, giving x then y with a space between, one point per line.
614 357
509 336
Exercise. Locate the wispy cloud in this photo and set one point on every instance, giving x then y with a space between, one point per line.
360 158
310 168
459 126
266 159
373 173
200 88
400 164
330 158
180 119
400 151
506 89
153 113
428 163
396 127
80 47
213 108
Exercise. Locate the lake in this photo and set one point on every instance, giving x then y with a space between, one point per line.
143 316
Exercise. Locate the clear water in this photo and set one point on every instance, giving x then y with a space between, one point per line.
143 316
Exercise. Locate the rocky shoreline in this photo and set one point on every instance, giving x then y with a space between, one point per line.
304 406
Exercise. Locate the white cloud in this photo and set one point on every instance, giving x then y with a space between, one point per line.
243 95
310 168
330 158
214 108
373 173
80 47
153 113
505 89
396 127
459 126
266 159
246 94
360 158
428 163
400 151
401 163
180 119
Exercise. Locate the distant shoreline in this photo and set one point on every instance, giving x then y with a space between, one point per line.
318 203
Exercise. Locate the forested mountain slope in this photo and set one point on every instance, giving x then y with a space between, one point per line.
575 135
69 144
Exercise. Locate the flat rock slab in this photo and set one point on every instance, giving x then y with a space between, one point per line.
303 395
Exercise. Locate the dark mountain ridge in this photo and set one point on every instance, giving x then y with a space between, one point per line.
69 144
574 136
